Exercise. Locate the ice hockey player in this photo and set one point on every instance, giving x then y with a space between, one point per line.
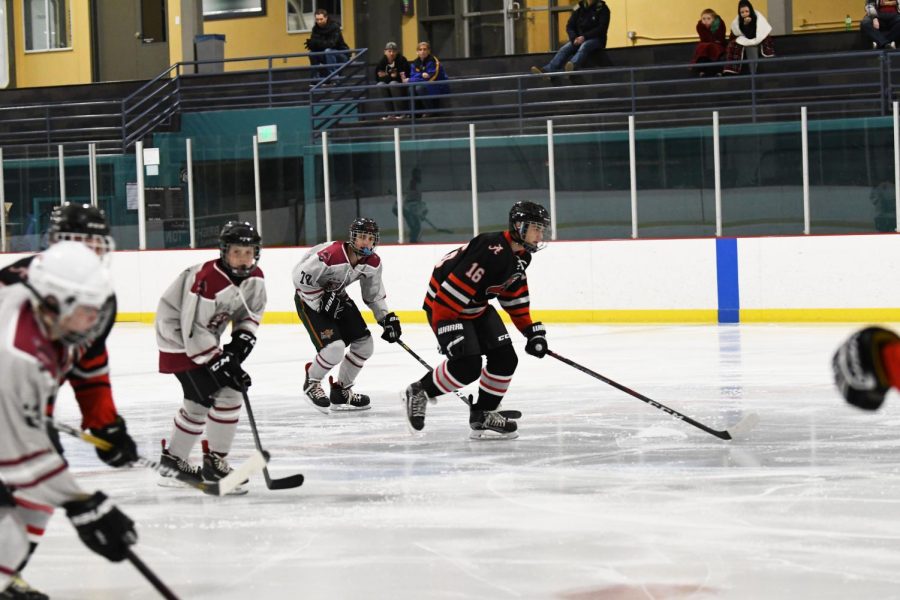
333 320
40 323
491 265
866 366
190 319
89 377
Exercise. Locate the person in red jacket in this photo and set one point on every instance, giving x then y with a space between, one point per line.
866 366
711 30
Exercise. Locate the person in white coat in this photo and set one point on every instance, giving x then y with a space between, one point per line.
751 38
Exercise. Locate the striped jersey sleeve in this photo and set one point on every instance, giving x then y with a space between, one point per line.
516 303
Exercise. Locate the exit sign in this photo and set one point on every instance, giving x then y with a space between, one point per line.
267 133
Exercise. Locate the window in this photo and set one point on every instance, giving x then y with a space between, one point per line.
46 24
153 21
231 9
301 13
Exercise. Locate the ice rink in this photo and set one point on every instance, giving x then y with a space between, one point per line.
601 497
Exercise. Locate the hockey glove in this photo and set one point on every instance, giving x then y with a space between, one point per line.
537 340
859 372
391 325
227 372
241 344
451 338
123 451
101 526
332 305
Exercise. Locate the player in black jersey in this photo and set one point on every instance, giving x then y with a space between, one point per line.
491 265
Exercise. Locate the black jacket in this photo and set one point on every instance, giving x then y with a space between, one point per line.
401 65
327 37
590 21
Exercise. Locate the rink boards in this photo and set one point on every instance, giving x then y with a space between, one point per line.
767 279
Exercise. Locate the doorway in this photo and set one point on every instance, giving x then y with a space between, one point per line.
130 39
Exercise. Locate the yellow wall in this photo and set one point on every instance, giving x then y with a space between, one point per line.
809 12
173 11
263 36
56 67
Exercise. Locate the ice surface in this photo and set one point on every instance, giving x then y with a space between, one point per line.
601 497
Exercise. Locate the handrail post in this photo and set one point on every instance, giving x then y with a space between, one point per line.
326 181
192 222
551 174
474 174
717 169
256 186
62 175
92 172
804 141
142 221
632 168
398 176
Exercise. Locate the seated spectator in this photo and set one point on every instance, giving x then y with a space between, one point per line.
391 73
750 37
586 28
711 30
881 23
326 37
427 71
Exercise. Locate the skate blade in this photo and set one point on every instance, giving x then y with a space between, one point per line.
487 435
345 408
321 409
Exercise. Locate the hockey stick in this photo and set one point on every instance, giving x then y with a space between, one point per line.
435 227
739 428
161 587
509 414
218 488
282 483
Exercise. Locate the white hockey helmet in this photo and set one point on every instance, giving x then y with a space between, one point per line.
67 275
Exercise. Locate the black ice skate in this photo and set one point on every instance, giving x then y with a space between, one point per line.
18 589
313 391
215 467
492 425
345 399
416 399
181 472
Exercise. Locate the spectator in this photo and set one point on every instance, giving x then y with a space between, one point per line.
586 28
711 30
427 71
881 23
391 73
326 37
750 36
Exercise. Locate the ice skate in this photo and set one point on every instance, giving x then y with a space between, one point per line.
180 471
215 467
18 589
313 391
416 400
492 425
344 399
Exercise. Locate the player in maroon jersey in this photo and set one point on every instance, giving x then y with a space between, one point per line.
491 265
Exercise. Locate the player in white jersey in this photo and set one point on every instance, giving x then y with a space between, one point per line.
41 322
191 317
332 319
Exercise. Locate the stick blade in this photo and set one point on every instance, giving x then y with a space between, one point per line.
284 483
254 464
743 427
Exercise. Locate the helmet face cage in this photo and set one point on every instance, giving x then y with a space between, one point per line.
522 229
364 226
81 223
103 245
237 233
524 214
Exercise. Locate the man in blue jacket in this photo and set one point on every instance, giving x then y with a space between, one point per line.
587 29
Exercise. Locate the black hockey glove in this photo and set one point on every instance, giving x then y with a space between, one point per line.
227 372
859 372
332 305
537 339
123 451
241 344
391 325
451 338
102 526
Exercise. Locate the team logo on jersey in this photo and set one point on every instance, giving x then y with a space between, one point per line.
217 321
326 334
496 289
496 249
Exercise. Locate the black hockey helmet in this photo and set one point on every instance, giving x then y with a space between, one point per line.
363 225
81 223
521 215
240 233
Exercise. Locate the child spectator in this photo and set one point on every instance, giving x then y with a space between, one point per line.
391 73
750 36
881 23
427 70
711 30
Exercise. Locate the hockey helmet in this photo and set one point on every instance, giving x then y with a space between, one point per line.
68 275
240 233
521 215
367 226
81 223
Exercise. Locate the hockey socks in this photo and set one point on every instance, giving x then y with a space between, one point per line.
187 429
